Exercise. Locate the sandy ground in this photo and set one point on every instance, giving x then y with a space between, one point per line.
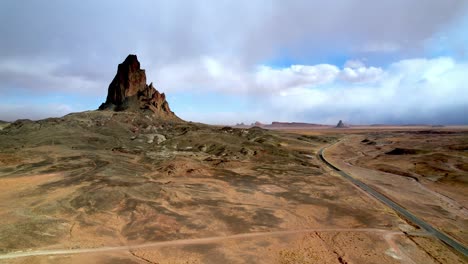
321 246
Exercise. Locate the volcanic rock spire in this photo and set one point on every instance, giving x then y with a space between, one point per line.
128 91
341 125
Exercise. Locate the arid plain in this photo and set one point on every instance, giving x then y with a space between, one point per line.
119 187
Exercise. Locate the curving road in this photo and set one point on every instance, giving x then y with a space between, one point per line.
396 207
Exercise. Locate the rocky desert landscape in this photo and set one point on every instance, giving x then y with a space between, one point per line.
134 183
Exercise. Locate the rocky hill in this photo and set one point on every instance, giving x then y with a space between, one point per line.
128 91
114 178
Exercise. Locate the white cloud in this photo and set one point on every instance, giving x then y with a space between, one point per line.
11 112
273 80
353 64
93 37
39 77
201 74
227 75
361 74
414 90
407 91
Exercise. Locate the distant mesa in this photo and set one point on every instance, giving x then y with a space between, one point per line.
128 91
283 125
257 123
276 124
341 125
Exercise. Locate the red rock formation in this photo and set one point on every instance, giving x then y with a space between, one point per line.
128 91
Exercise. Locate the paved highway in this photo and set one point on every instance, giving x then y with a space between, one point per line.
400 210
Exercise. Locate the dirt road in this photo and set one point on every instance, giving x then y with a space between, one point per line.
386 234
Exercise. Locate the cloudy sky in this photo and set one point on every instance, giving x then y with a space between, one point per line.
224 62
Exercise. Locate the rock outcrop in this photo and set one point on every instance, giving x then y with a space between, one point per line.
341 125
128 91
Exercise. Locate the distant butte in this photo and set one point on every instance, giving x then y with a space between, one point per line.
128 91
341 125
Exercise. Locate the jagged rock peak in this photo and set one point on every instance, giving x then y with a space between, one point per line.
128 91
341 125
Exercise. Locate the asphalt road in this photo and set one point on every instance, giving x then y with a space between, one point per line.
400 210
